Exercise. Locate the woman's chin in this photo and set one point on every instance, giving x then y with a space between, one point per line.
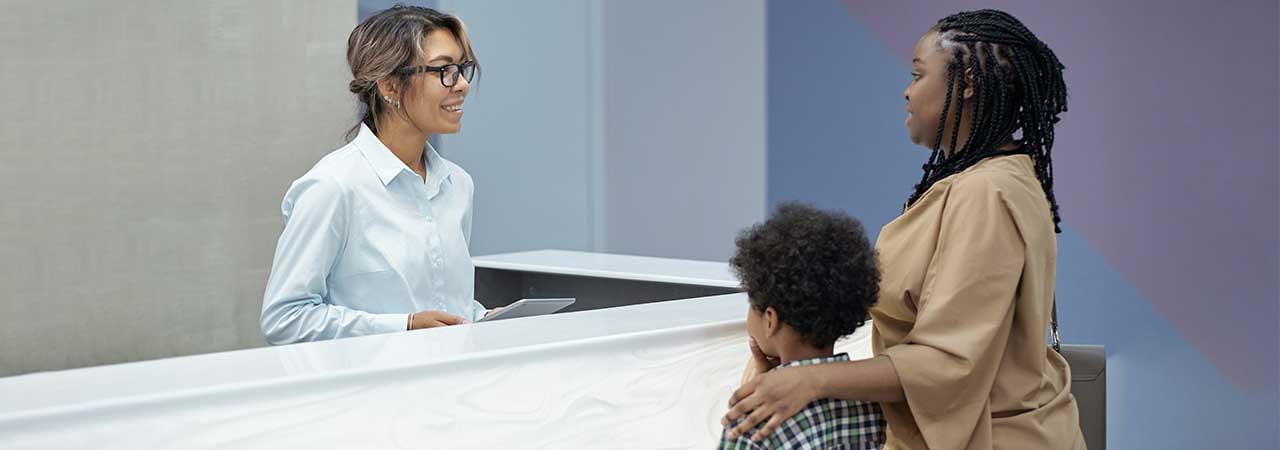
448 128
920 140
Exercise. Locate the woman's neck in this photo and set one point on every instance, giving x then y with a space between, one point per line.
406 142
1008 145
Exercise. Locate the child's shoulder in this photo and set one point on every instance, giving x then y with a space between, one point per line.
823 423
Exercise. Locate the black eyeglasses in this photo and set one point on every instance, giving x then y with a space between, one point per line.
449 73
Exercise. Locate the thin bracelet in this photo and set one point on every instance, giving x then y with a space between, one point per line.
410 327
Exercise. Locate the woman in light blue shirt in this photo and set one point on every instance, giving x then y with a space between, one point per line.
376 234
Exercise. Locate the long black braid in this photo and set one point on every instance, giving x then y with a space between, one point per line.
1017 86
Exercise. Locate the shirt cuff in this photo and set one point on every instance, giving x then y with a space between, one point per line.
389 323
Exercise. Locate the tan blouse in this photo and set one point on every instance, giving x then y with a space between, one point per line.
965 299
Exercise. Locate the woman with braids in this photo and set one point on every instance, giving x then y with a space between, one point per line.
968 268
375 236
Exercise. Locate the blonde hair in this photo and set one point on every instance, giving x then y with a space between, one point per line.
388 41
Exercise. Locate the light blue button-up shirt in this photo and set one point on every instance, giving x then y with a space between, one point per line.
366 242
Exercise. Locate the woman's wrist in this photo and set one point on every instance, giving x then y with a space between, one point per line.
818 383
866 380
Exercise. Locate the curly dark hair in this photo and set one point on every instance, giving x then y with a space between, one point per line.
815 268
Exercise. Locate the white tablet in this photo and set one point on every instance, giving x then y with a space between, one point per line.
529 307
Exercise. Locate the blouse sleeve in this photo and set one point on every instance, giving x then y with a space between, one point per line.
293 307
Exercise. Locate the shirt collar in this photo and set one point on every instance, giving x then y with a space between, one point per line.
388 166
808 362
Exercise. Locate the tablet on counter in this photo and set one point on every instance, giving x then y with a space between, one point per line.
528 307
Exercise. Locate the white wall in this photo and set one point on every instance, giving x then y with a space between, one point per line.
685 125
144 150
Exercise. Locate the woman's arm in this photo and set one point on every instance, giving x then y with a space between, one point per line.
873 380
293 308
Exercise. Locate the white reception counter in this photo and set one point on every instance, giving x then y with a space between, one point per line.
645 376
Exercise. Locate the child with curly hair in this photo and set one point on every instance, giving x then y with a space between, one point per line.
811 277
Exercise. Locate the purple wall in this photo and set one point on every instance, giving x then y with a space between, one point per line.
1165 169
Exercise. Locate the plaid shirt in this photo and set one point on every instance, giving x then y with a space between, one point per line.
826 423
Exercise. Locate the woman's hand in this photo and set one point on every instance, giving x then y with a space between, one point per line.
432 319
770 398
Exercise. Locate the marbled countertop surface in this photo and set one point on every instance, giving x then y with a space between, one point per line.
651 376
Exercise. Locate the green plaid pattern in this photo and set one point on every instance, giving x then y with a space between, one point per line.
825 423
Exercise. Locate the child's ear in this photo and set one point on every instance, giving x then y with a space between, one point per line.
771 323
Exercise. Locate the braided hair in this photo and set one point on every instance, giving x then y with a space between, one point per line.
1017 86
